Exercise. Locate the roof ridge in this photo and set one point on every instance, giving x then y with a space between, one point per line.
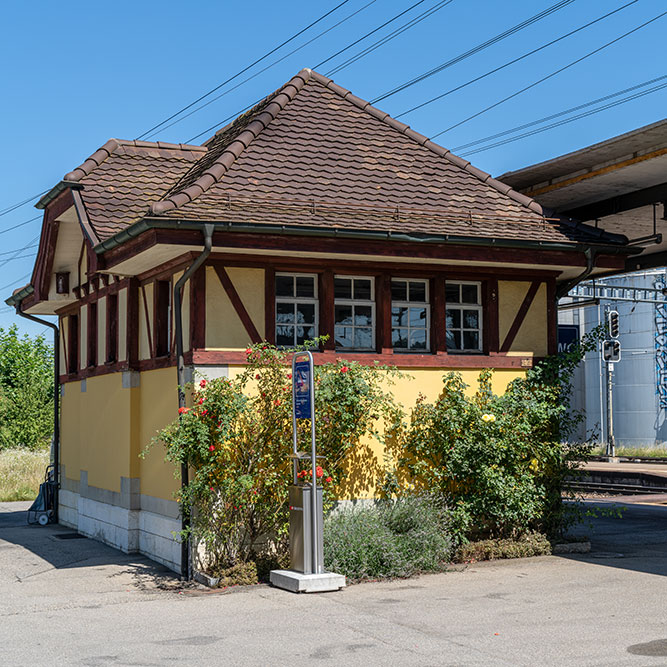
268 109
104 152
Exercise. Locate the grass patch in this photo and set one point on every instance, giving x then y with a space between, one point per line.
21 473
531 544
660 451
389 539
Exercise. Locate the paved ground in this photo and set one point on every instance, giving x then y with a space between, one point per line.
76 602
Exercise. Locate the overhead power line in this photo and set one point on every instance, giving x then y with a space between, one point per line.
518 128
245 69
9 252
512 62
565 121
368 34
13 207
549 76
261 71
471 52
21 224
387 38
18 280
17 252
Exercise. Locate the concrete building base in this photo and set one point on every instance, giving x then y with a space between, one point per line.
298 582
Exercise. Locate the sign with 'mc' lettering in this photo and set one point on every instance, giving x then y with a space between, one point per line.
568 335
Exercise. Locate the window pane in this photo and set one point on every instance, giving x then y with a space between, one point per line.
284 335
363 315
471 319
453 318
363 338
342 288
469 294
284 286
284 313
362 289
417 291
470 340
417 317
343 314
305 286
453 339
344 337
399 338
452 293
304 333
305 313
399 317
418 339
399 290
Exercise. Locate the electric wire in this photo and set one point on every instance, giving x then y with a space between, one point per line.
510 62
223 122
16 252
21 224
368 34
18 280
245 69
261 71
9 252
549 76
471 52
565 121
387 38
518 128
13 207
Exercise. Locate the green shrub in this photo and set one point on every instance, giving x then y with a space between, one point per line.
530 544
499 460
389 539
237 438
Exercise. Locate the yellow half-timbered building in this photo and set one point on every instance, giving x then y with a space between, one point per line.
314 213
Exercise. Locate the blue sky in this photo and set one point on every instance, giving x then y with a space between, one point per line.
74 76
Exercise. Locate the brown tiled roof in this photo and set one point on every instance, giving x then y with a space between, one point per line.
121 179
312 154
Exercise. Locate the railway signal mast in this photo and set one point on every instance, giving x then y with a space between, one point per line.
611 353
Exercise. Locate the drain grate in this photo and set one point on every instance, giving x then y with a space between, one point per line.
69 536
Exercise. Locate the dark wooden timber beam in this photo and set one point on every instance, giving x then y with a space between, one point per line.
238 304
520 316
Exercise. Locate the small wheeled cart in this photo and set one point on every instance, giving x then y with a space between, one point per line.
42 511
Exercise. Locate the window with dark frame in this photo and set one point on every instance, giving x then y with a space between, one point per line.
112 328
91 342
354 313
162 317
463 317
410 315
73 344
296 318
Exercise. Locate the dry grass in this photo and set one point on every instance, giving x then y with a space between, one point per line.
21 473
659 451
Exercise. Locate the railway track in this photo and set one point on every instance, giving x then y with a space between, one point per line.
613 488
628 459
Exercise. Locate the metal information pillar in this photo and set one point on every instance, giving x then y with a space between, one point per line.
306 527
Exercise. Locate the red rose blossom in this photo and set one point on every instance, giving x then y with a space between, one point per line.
344 369
328 479
202 384
211 448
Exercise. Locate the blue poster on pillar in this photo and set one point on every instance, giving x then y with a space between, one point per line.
302 388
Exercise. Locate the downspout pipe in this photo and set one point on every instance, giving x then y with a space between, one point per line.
56 401
186 573
590 254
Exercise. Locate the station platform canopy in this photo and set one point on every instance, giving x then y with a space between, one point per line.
619 185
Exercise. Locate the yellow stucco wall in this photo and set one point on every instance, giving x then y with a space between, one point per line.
70 431
224 329
531 339
159 406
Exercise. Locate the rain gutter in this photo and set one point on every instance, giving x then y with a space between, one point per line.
311 231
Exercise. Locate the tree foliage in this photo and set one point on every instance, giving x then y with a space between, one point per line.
26 390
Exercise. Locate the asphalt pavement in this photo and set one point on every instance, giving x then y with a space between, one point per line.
74 601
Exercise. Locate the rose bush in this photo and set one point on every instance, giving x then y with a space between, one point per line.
237 437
